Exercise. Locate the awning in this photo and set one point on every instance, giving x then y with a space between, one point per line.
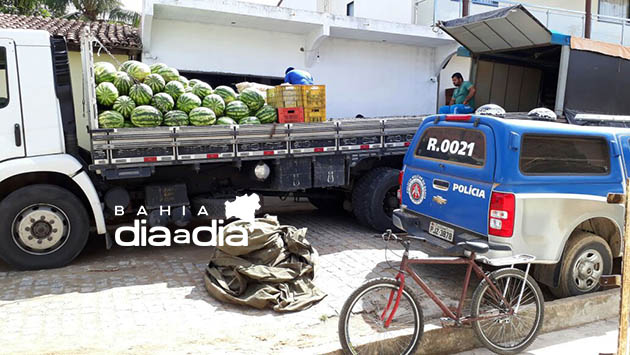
503 29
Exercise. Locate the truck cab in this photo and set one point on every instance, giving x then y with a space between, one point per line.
551 190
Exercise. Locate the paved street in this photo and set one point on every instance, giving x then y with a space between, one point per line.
151 300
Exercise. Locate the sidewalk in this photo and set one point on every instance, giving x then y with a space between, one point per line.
593 338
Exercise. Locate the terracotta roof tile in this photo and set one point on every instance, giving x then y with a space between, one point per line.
110 34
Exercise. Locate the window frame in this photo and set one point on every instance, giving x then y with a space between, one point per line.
6 76
349 7
623 21
569 136
485 146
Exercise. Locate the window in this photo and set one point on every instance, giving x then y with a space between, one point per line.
453 145
549 155
4 78
615 8
350 9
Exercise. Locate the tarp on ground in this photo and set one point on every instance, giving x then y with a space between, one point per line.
275 270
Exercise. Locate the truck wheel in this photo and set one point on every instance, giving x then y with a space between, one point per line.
41 227
587 257
374 198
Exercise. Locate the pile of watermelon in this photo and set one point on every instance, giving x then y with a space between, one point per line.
139 95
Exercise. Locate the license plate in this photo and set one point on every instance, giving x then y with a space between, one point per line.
441 231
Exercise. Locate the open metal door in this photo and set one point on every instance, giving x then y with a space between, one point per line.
503 29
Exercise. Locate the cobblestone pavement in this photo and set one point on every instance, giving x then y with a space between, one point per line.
153 300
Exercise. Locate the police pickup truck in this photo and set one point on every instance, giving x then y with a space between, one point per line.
552 190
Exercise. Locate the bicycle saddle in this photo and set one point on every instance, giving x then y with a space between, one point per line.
476 246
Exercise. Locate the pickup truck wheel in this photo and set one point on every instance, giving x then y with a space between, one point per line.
42 226
587 257
374 198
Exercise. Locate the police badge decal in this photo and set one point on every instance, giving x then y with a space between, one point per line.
416 189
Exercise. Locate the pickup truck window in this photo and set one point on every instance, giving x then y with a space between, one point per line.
4 78
453 145
552 154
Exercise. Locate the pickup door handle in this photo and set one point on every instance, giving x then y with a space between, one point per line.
441 184
18 135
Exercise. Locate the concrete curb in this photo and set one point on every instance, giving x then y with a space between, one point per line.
559 314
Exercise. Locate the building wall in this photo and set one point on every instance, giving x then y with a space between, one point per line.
392 10
76 70
370 78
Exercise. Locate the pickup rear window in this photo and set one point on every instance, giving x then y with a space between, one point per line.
453 145
549 155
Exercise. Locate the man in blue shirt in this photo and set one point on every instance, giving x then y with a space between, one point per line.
297 77
463 100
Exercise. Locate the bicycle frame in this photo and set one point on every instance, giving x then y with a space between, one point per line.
405 268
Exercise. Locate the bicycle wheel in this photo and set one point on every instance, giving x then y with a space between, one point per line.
362 322
500 331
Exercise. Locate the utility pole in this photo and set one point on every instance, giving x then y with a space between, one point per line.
587 19
466 7
623 347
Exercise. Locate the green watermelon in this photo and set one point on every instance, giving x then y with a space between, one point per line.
175 89
163 102
202 89
215 103
124 105
176 118
236 110
188 101
169 74
227 93
253 99
128 124
267 114
182 79
106 93
146 116
141 94
110 119
193 82
249 120
225 121
125 65
104 72
202 116
155 82
156 67
138 71
123 82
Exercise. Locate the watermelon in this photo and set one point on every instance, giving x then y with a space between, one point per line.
176 118
146 116
123 82
227 93
193 82
188 101
156 67
124 66
182 79
141 94
128 124
106 93
169 74
104 72
155 82
202 89
225 121
124 105
110 119
249 120
215 103
267 114
236 110
175 89
202 116
163 102
138 71
253 99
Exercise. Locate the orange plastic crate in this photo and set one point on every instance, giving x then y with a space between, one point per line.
314 96
314 115
291 115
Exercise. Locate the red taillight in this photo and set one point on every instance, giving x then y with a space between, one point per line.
400 180
501 215
458 117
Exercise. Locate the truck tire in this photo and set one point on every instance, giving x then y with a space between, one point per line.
374 198
41 227
586 257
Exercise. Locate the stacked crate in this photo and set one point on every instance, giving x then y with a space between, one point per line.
298 103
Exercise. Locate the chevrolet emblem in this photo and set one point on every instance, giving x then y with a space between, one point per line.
439 200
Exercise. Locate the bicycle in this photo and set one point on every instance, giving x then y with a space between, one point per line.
384 315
